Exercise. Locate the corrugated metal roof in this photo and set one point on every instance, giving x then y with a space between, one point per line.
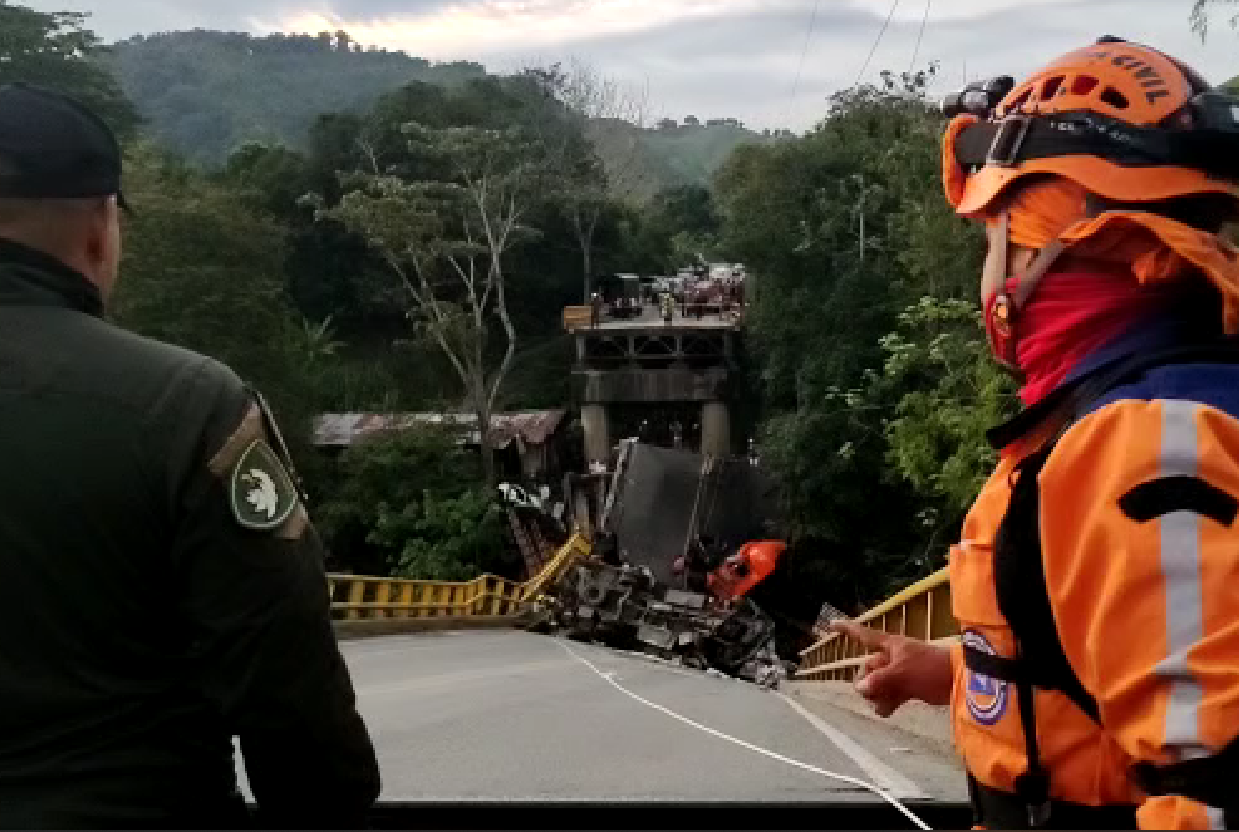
343 429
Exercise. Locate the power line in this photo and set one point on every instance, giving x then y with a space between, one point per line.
876 41
804 50
916 53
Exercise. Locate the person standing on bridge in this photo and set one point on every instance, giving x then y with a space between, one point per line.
1096 684
161 587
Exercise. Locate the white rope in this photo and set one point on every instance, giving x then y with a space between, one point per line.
608 678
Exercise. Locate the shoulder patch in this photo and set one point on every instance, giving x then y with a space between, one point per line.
261 493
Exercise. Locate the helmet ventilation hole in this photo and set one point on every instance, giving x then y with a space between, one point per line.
1084 84
1050 88
1115 99
1020 101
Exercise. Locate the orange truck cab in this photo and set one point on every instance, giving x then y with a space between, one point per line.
748 567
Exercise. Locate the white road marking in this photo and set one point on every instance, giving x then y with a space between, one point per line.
880 792
882 774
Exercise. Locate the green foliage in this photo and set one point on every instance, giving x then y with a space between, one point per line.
203 271
875 379
445 208
691 156
412 503
455 538
947 394
57 51
390 471
666 158
205 93
676 227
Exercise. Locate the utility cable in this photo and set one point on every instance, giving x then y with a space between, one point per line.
804 50
882 33
916 53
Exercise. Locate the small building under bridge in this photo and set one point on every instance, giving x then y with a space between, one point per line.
528 444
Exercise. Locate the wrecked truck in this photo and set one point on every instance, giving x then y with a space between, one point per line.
637 594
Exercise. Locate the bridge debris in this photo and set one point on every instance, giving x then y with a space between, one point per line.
626 608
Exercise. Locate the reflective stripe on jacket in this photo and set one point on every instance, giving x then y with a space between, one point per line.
1144 591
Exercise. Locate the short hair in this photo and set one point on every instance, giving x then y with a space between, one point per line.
39 210
44 223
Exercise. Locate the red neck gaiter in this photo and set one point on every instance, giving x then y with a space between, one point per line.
1071 314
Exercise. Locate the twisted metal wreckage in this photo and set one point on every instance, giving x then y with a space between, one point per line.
657 582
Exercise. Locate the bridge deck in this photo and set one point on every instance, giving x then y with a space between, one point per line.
650 318
511 715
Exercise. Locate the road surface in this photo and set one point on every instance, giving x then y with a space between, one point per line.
499 715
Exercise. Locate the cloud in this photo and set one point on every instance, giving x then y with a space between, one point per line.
736 58
490 25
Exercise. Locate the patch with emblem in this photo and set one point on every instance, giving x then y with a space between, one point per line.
987 697
260 490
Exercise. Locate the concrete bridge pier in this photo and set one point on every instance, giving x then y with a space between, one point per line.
597 433
715 429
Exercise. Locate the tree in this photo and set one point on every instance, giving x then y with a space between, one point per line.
588 184
1200 15
452 538
692 121
204 271
678 225
56 50
863 383
391 507
446 240
205 93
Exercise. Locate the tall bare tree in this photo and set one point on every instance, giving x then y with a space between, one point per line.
446 241
1200 15
605 169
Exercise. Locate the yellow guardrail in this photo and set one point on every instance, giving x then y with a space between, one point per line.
357 597
922 610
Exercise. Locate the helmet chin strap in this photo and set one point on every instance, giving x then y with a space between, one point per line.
1013 293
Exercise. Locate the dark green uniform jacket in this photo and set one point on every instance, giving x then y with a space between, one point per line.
161 588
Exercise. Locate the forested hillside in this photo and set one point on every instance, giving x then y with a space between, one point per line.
872 371
204 93
653 160
433 272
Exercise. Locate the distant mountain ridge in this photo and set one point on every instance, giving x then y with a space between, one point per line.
644 161
204 93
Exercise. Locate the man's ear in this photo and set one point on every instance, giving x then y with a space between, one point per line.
102 242
94 219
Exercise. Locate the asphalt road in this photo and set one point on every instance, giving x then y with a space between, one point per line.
503 715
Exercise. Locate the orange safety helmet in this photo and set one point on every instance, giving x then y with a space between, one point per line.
1128 124
1125 121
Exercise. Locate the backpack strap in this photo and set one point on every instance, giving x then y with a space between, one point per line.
1210 780
1019 573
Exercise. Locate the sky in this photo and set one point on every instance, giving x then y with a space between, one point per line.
710 58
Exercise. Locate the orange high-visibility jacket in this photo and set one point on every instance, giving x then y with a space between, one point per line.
1145 602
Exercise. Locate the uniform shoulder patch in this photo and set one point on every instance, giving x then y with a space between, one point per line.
261 493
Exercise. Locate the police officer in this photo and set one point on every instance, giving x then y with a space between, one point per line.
1096 684
161 587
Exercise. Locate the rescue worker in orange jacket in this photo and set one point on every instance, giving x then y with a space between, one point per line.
1096 684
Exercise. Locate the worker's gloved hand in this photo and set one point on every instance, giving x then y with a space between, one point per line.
902 668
